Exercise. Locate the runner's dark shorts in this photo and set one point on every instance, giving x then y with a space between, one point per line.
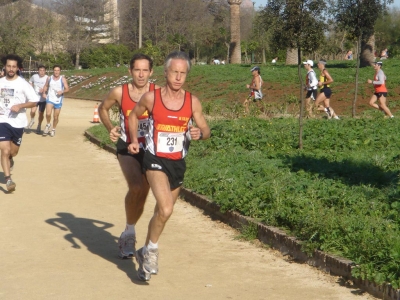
378 95
313 93
174 169
9 133
327 91
122 149
42 106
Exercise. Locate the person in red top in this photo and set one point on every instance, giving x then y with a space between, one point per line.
126 98
171 112
380 94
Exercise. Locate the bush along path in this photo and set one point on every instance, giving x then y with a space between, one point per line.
321 195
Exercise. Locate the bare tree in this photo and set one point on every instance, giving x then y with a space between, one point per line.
86 23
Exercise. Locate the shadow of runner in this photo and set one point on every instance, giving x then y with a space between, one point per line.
93 234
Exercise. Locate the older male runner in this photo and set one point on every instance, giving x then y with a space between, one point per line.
16 95
171 114
126 97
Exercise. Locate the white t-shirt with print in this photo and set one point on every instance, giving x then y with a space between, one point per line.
14 92
38 83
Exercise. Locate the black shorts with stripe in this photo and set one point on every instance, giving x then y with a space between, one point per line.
174 169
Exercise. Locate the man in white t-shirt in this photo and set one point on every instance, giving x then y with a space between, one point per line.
16 95
38 81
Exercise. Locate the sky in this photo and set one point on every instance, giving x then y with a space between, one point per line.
264 2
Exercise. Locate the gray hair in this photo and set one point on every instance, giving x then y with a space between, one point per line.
177 55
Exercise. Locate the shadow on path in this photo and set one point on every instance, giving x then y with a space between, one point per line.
93 234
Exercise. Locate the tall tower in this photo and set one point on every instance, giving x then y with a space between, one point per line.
236 50
112 17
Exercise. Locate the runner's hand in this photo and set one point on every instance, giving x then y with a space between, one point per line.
15 108
133 148
115 134
195 133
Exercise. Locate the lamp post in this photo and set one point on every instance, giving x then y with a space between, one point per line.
140 24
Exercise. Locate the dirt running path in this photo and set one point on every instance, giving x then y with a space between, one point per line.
59 229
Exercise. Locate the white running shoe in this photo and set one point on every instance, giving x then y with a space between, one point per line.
148 263
46 129
126 245
53 133
10 185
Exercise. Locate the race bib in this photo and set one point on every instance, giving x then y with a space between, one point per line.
170 142
143 127
6 100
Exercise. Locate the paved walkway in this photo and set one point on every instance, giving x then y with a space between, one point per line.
59 230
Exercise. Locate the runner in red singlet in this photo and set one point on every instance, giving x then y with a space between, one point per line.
171 114
380 94
126 97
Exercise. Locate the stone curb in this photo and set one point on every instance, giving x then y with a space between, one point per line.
279 240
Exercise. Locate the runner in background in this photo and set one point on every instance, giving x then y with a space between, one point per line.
38 81
325 79
54 89
311 86
380 94
255 88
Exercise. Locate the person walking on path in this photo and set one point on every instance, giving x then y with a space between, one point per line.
54 89
380 94
255 88
38 81
16 95
311 86
171 114
324 96
126 98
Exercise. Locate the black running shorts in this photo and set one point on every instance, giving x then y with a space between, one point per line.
327 91
378 95
9 133
41 105
313 93
122 149
174 169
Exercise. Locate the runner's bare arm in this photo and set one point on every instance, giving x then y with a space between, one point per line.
66 86
145 103
17 107
202 131
46 87
113 97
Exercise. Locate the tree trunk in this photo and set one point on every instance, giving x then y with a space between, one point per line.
264 59
367 52
301 99
353 111
291 56
77 61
